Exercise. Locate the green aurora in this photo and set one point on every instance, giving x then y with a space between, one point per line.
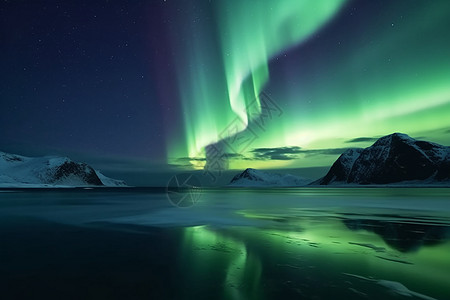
337 73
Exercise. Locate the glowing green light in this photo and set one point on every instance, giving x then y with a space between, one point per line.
384 80
216 87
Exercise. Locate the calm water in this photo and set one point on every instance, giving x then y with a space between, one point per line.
232 244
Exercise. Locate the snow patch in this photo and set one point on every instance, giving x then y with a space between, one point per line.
49 171
109 181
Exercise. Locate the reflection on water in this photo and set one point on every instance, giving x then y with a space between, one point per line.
233 244
323 258
404 237
210 256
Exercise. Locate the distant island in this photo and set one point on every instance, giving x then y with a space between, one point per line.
18 171
252 177
393 159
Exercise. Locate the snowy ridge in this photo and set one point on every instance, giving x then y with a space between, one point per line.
251 177
392 159
109 181
49 171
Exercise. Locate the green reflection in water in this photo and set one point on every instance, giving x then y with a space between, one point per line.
219 263
310 255
327 244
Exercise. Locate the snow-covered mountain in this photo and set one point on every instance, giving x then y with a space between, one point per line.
395 158
251 177
49 171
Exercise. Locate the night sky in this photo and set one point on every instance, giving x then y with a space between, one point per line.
140 88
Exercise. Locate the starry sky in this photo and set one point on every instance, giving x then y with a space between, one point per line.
145 89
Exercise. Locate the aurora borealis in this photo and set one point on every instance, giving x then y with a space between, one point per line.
362 75
144 87
214 90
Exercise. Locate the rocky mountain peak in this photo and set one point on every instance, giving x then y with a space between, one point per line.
393 158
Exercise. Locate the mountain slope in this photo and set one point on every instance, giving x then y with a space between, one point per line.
252 177
49 171
391 159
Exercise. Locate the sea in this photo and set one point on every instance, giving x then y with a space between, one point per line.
225 243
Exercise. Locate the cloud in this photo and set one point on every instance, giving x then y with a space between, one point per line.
362 139
329 151
280 153
234 155
190 161
291 153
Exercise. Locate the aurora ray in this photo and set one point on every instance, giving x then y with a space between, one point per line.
222 69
